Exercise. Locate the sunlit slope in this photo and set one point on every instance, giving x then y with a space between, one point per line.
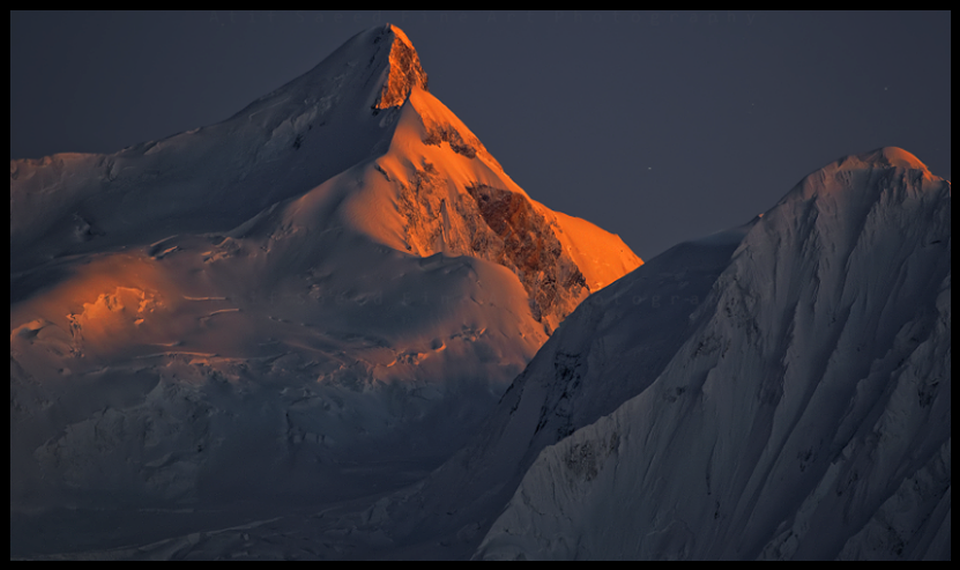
316 299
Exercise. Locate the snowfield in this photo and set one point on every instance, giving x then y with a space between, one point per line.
313 302
806 415
332 327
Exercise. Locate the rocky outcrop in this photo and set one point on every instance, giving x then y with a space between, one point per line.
525 243
404 72
496 225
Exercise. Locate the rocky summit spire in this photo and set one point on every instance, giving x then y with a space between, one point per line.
404 71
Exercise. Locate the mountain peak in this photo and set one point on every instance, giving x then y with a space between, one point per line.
894 156
404 71
853 172
885 157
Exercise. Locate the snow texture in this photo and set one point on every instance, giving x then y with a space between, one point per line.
313 302
806 414
332 327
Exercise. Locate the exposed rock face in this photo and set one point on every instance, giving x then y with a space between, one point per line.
525 243
496 225
404 71
449 135
439 129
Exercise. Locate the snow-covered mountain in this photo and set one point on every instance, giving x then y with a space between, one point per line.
315 300
780 390
793 404
293 334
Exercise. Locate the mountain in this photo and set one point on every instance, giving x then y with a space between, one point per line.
779 390
332 327
314 301
795 403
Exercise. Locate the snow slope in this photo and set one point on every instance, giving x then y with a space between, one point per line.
357 142
804 413
615 345
313 301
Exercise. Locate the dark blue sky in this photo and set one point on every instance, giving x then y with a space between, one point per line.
659 126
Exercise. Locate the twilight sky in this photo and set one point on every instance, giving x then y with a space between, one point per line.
658 126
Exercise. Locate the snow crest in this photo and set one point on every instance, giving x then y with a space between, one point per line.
806 415
315 301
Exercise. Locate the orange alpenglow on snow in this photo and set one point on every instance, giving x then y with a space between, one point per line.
453 197
340 271
131 236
